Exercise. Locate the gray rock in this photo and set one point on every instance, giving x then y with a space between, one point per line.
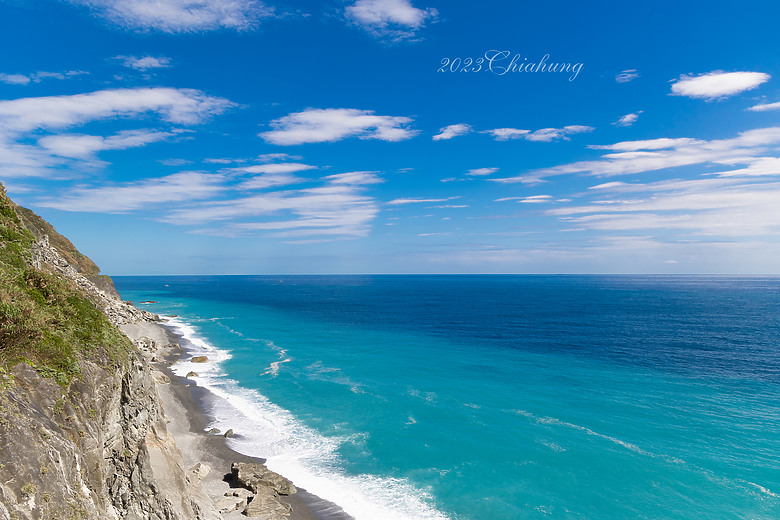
239 492
192 374
256 476
214 431
267 506
229 433
101 445
146 343
200 470
160 378
229 504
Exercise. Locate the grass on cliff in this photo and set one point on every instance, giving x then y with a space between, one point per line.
45 320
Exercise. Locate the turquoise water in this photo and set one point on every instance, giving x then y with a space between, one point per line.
496 397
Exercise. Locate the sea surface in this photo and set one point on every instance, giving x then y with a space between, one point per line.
495 397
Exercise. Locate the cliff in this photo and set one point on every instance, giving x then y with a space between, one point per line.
82 431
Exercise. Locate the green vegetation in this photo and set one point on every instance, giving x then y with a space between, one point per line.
44 320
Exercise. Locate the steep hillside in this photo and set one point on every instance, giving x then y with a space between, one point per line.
82 431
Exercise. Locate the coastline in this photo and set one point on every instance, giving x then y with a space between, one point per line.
183 403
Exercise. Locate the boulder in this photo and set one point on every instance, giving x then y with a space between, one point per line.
200 359
200 470
160 378
229 504
239 492
146 343
256 476
229 433
192 374
266 505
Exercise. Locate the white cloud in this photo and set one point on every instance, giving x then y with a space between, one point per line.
37 77
756 167
270 180
448 132
626 76
145 63
336 210
183 106
14 79
135 195
628 119
703 206
631 157
275 168
544 134
717 84
177 16
396 202
269 157
355 178
22 120
482 171
85 146
533 199
396 19
505 134
174 162
765 107
557 134
334 124
222 160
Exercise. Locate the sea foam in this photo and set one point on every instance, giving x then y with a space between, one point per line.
309 459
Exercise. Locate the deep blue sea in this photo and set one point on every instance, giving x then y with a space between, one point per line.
496 397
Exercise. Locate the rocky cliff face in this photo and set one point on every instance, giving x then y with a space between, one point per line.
95 447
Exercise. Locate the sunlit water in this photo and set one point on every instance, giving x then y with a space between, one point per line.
496 397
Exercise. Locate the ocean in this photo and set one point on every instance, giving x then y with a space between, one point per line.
495 397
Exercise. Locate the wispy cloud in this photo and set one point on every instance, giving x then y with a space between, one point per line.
269 157
86 146
42 119
37 77
717 84
480 172
628 119
355 178
270 180
532 199
177 16
145 63
626 76
333 210
394 19
544 134
275 168
631 157
764 107
136 195
448 132
397 202
701 206
334 124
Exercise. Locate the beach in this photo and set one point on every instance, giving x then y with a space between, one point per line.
183 403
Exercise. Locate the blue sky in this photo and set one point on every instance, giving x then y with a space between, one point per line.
358 136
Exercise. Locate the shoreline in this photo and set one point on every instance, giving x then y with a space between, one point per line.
183 403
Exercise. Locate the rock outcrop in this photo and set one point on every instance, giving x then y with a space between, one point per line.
117 311
96 446
266 487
